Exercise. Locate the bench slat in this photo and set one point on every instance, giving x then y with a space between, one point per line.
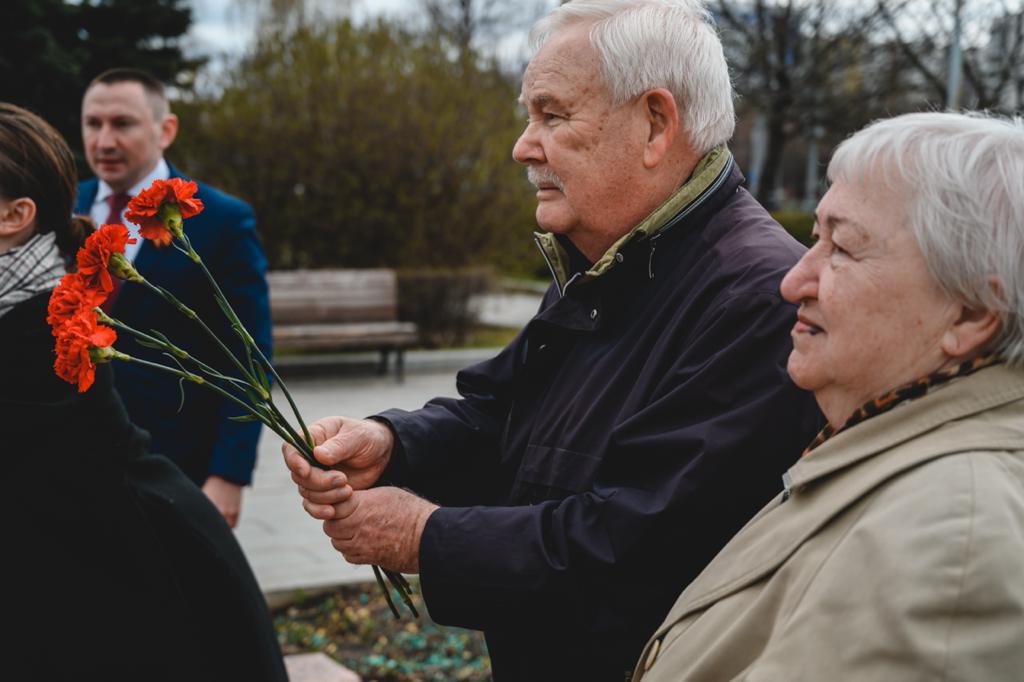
302 296
338 310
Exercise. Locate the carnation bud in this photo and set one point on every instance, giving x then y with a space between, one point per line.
121 267
171 215
102 354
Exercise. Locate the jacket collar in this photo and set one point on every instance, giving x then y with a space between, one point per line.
947 421
161 171
709 174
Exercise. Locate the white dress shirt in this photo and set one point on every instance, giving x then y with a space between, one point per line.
101 209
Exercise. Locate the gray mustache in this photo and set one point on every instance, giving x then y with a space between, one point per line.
539 176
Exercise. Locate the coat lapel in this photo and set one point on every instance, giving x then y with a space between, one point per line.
87 190
927 428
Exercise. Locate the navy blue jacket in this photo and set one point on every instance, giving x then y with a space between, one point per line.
596 465
200 439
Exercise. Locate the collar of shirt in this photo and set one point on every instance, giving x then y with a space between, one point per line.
100 208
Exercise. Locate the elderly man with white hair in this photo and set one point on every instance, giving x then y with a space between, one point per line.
896 551
593 467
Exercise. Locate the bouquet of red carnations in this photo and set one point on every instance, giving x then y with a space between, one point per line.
85 334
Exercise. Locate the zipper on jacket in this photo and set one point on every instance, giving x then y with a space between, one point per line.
787 487
551 267
650 262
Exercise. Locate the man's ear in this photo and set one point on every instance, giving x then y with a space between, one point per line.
168 130
17 217
970 332
659 106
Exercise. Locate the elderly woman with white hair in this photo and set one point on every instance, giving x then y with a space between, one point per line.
896 551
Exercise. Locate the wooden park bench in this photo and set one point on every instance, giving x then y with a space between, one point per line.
335 310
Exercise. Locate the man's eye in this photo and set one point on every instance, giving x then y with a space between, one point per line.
548 116
838 250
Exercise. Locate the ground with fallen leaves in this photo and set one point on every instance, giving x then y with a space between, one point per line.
354 626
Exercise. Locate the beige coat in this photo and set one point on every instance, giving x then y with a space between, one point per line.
898 555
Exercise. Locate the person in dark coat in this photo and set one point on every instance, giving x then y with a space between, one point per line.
126 126
598 463
118 567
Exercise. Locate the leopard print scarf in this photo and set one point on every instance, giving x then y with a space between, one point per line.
914 389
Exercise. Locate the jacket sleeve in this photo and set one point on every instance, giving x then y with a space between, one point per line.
925 584
682 475
240 270
449 448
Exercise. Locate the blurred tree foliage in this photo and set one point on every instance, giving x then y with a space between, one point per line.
51 49
364 146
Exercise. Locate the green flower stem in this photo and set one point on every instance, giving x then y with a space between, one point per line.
386 591
403 588
308 454
196 379
191 314
396 580
247 338
184 355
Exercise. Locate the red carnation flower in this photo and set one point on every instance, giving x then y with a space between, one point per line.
94 255
146 208
69 298
75 339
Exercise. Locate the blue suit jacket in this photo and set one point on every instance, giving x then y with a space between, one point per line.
200 438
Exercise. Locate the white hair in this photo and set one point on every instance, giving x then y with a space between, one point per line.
646 44
963 175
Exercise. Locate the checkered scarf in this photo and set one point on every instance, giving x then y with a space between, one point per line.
29 269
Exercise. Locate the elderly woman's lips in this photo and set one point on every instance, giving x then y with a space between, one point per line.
804 327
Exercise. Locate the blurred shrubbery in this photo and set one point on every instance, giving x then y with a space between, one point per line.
797 223
363 146
440 302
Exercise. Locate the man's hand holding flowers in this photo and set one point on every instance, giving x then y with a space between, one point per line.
380 526
84 337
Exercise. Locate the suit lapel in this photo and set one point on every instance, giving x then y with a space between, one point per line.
87 190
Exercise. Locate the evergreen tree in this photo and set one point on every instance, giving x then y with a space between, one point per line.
51 49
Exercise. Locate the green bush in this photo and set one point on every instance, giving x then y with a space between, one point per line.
440 302
367 145
797 223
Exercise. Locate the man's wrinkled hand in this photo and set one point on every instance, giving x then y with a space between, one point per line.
226 497
360 448
382 526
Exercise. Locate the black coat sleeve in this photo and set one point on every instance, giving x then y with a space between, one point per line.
681 477
448 449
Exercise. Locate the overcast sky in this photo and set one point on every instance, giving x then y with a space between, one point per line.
223 27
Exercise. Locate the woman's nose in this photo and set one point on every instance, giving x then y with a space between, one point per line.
801 282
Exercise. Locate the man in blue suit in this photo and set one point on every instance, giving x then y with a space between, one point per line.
126 126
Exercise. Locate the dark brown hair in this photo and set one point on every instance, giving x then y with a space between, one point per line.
153 88
35 162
